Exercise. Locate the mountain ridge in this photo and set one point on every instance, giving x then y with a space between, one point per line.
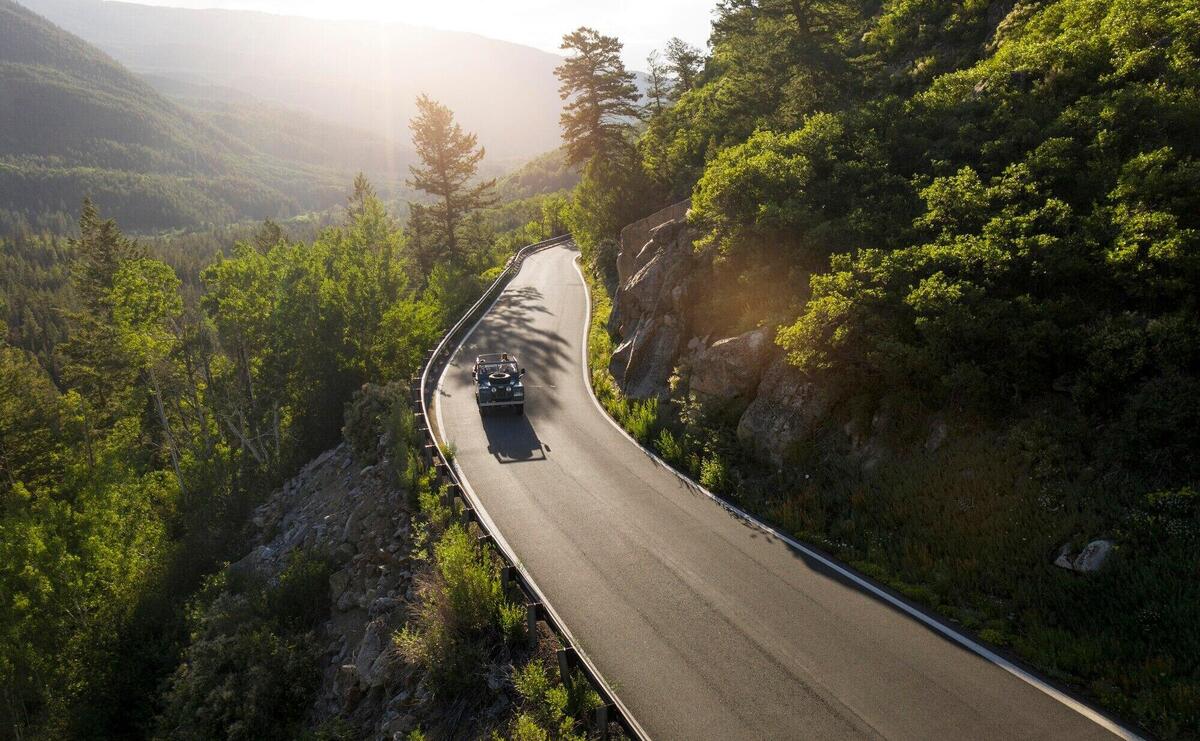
362 74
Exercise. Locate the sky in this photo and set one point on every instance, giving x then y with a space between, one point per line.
642 26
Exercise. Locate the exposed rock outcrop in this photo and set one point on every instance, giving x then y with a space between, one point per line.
358 516
730 369
787 409
650 311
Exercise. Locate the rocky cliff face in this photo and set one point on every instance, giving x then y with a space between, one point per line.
650 310
665 347
659 336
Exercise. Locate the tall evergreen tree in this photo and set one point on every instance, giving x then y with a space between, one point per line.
96 365
602 97
683 61
657 87
450 159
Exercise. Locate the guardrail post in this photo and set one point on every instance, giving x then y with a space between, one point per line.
602 721
564 666
531 618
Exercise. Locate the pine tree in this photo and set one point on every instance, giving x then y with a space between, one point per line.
267 236
601 93
449 162
95 365
657 83
99 252
683 61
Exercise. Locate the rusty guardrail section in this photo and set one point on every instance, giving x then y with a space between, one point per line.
461 499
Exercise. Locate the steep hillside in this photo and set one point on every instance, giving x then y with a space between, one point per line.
74 123
363 74
934 307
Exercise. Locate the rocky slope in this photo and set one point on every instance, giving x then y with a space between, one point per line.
355 512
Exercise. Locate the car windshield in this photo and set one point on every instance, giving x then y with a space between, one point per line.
486 369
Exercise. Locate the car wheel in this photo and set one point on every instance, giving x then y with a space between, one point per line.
521 409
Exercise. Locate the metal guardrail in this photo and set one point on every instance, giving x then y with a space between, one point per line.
570 657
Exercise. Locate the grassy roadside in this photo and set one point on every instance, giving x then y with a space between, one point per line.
963 547
467 631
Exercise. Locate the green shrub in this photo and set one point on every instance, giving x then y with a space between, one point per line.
713 474
463 617
228 685
670 447
639 418
367 415
470 586
301 598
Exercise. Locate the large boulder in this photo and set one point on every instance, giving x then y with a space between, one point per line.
787 409
637 235
730 368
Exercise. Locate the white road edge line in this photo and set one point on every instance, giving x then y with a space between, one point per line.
495 531
975 647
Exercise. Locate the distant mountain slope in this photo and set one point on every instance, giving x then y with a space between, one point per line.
292 134
74 123
363 74
546 173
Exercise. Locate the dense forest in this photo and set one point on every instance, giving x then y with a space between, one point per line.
976 213
154 391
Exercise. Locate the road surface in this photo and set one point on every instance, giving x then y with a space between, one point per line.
706 626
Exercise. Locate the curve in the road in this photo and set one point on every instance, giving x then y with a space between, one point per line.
707 624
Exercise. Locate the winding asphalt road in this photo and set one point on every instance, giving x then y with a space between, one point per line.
705 625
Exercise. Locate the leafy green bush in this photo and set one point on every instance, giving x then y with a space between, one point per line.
462 617
669 447
714 476
367 414
551 709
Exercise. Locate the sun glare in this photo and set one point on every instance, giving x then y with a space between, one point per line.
538 23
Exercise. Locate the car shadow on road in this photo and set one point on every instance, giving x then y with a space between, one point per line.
511 437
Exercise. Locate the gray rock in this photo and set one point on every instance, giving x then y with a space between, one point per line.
338 581
937 436
788 408
1093 556
344 553
643 364
1089 560
370 659
1064 558
651 309
730 368
347 686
